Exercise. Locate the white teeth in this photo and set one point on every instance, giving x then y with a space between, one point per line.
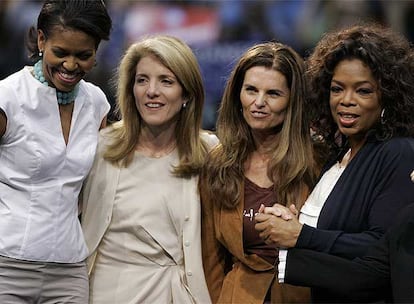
67 76
348 116
154 105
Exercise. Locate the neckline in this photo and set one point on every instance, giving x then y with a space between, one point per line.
165 156
343 163
256 186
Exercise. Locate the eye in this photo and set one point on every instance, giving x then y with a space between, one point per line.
85 56
274 93
167 81
335 89
59 53
250 89
365 91
140 79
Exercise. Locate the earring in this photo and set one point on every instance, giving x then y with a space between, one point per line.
40 54
184 105
382 117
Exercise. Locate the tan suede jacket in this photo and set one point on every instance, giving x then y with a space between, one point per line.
233 276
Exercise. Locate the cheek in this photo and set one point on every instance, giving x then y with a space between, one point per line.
279 107
88 65
245 100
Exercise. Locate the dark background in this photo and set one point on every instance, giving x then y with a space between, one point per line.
218 31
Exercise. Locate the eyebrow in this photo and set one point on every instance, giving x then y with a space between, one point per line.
357 83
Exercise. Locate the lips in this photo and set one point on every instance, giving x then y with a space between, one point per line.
68 79
259 114
347 119
154 105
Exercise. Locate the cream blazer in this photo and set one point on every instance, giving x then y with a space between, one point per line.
101 187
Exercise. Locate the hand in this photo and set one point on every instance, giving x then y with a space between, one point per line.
280 211
275 230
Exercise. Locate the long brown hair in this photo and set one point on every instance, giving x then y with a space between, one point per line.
291 167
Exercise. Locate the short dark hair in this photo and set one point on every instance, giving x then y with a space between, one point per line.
88 16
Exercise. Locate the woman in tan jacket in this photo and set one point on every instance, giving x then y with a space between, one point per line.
265 156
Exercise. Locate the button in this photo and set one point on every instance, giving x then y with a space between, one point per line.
186 243
187 218
189 273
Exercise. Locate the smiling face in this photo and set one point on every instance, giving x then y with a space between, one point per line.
354 99
158 94
264 97
67 56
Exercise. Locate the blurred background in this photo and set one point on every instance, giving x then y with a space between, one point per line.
217 31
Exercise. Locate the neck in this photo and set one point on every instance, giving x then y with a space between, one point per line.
156 145
265 143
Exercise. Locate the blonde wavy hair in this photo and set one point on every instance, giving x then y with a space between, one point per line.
178 57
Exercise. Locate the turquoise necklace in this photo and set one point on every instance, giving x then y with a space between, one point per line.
62 97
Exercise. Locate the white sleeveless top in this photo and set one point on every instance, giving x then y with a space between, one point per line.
41 176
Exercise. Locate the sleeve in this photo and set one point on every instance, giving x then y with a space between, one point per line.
362 279
103 105
391 180
282 265
209 138
100 102
366 278
213 252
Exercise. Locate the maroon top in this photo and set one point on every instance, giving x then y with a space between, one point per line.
254 196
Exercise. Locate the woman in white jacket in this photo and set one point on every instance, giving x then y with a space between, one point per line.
141 213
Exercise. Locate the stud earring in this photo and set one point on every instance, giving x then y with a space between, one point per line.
184 105
40 54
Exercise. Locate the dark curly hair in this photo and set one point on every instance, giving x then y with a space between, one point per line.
88 16
390 58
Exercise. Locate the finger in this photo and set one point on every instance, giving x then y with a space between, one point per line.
272 210
293 209
280 211
261 217
261 208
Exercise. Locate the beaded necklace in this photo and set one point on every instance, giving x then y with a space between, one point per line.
62 97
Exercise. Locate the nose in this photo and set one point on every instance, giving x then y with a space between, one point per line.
152 89
348 98
260 100
70 64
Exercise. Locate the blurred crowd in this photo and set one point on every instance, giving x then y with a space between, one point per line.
218 31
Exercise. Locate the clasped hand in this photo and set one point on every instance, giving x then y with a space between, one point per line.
278 225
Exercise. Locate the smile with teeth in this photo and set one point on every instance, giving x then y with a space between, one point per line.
347 119
67 79
154 105
67 76
347 116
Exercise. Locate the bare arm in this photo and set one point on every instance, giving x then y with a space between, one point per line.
3 123
103 123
